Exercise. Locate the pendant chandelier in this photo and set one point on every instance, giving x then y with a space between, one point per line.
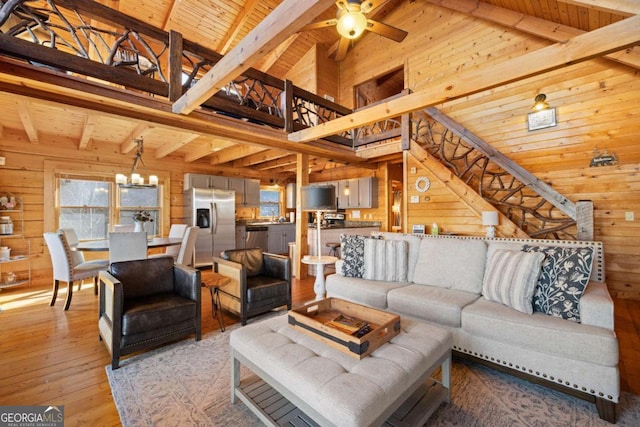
135 179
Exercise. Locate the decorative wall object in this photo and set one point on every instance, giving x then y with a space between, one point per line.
603 159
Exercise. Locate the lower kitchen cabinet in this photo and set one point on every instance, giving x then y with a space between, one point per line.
280 235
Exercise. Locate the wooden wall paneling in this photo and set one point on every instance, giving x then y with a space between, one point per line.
328 73
304 73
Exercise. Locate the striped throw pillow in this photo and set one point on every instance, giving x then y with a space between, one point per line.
511 278
385 260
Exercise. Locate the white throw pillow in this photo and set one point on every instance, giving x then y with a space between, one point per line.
451 263
511 278
385 260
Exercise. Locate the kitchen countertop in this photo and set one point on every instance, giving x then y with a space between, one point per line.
348 224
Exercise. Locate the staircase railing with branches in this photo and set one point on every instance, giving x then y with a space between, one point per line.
539 217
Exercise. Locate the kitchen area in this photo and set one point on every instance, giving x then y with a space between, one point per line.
228 212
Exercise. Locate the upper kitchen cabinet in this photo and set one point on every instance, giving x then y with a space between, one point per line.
367 192
247 191
199 180
357 193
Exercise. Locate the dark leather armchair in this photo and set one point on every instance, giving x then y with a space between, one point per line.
260 281
145 303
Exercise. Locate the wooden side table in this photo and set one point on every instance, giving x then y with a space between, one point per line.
214 282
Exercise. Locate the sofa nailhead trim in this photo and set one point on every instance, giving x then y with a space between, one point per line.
524 369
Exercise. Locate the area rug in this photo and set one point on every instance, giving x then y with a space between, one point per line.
188 383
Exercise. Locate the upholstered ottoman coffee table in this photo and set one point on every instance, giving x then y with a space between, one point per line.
302 381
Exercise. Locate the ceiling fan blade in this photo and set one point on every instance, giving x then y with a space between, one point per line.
385 30
343 47
320 24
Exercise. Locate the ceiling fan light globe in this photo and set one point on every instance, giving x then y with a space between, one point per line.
351 24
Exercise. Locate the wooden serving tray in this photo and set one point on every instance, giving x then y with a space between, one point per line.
312 319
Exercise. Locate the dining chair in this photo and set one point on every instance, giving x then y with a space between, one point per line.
64 268
127 246
187 248
176 231
78 257
123 228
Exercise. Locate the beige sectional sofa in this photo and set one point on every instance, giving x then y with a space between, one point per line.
516 304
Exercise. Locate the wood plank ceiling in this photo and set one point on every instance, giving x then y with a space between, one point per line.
221 25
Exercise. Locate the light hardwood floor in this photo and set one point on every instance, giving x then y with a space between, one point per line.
52 357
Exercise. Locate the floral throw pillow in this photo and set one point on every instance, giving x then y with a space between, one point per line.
564 277
352 252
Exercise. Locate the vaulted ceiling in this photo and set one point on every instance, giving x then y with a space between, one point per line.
221 26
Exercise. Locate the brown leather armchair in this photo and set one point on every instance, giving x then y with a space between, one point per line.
260 281
146 303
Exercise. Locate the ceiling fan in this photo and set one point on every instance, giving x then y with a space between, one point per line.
351 21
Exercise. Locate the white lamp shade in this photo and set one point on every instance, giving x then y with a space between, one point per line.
319 198
489 218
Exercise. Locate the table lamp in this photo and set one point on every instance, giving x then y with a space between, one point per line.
490 220
319 198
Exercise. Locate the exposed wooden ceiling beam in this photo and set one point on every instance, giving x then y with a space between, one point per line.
140 131
618 7
288 160
531 25
285 20
261 157
236 152
27 120
236 27
167 149
89 127
620 35
215 144
242 172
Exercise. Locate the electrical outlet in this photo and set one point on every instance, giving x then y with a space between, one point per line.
413 170
415 199
629 216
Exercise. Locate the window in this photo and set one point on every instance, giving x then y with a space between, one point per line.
270 203
84 206
134 199
91 205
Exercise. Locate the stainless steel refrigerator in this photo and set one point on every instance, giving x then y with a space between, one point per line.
213 211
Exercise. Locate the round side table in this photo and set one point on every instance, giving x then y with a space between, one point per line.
319 261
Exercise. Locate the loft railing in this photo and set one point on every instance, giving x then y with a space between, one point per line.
85 38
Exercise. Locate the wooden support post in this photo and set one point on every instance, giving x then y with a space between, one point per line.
584 220
405 128
175 65
288 106
302 179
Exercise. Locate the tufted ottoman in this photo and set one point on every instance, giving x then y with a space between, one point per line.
299 377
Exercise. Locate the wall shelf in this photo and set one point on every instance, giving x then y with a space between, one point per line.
15 270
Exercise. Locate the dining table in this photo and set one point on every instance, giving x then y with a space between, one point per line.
103 244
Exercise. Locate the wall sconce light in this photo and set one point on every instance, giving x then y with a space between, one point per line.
490 220
540 103
542 116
